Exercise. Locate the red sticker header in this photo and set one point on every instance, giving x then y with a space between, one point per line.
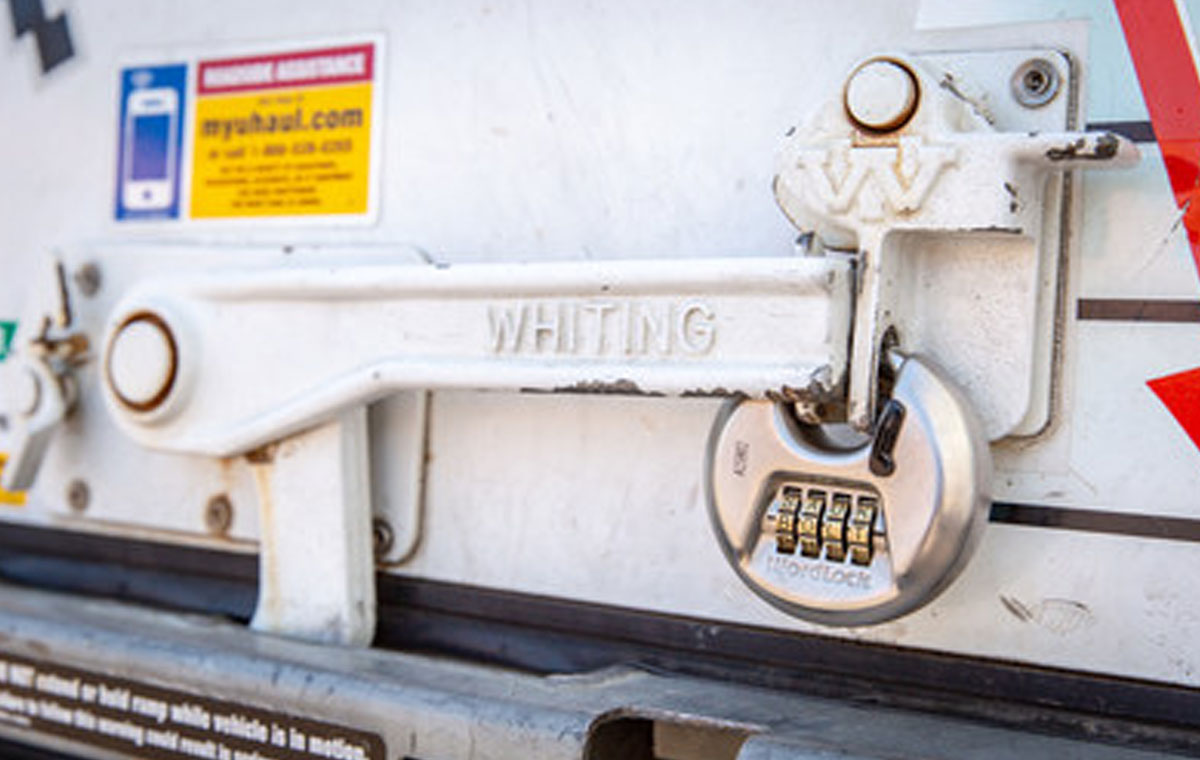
336 65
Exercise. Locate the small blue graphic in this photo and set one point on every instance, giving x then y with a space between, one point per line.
150 141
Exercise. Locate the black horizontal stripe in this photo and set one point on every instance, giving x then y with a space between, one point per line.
1096 521
1137 310
547 633
1138 131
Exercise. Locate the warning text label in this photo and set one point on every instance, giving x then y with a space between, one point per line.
165 724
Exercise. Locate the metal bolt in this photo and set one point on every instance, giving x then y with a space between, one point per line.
78 495
1035 83
87 279
218 515
383 537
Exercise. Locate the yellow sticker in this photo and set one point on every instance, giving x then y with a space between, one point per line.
10 497
286 134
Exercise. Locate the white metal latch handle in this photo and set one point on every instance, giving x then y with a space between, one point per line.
221 363
37 385
283 361
38 400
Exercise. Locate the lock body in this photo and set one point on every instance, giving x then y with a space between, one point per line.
822 531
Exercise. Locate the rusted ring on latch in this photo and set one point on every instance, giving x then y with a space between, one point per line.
881 95
142 361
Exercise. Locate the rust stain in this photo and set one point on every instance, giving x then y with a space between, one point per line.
1105 149
709 393
864 139
225 466
616 387
263 454
268 562
789 394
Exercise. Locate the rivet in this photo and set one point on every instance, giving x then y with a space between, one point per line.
383 537
1035 83
78 495
87 279
218 515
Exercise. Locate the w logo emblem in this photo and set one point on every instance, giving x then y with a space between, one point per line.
870 182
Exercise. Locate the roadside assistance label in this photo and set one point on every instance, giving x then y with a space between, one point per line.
164 724
284 135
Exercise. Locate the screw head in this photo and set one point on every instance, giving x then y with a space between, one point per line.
383 537
218 515
78 495
1035 83
87 279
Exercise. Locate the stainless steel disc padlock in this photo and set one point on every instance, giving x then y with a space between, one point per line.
858 534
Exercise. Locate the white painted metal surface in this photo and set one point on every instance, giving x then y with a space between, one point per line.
316 559
574 132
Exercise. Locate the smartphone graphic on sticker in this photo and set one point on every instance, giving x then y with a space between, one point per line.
149 141
148 175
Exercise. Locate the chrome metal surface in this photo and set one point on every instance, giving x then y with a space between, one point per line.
887 544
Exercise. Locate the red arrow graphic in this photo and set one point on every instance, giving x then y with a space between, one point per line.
1166 70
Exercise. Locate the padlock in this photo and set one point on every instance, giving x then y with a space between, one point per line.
851 532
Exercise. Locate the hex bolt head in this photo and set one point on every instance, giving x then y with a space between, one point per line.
78 495
1035 83
218 515
881 95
